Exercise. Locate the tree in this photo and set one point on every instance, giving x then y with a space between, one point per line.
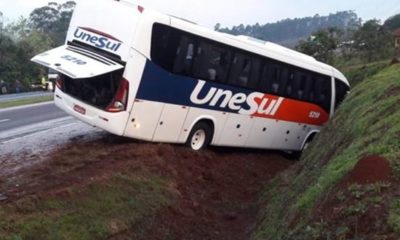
14 62
53 20
289 32
322 44
19 29
25 38
217 26
373 41
393 22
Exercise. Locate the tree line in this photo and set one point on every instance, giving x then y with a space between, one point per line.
340 37
289 31
372 41
45 28
333 38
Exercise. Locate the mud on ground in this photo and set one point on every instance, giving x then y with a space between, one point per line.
216 191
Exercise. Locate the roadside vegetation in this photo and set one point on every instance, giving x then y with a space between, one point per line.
346 184
22 39
25 101
358 72
115 188
95 211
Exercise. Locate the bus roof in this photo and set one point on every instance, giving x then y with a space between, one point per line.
247 43
261 47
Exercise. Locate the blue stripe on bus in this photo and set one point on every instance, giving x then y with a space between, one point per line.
161 86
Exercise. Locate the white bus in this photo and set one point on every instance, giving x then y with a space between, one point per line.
138 73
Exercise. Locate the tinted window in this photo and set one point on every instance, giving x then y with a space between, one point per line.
211 62
301 85
263 83
323 92
287 82
164 44
184 56
245 70
273 76
341 92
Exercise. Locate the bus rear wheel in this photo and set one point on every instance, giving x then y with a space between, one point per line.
200 136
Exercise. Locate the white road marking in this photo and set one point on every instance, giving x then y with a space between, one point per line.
4 120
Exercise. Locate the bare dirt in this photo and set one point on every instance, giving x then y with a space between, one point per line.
217 190
358 207
368 170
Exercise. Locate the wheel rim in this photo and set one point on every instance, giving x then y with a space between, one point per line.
198 139
306 145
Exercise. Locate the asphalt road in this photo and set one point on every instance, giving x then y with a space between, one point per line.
19 96
27 115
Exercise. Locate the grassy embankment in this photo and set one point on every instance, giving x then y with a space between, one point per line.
25 101
96 211
318 197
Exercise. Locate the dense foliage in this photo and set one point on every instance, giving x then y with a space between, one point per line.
393 22
289 31
322 44
21 40
370 42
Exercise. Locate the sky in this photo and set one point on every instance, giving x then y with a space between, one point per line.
230 13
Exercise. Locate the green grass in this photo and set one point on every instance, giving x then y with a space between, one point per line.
97 211
367 123
394 217
359 72
25 101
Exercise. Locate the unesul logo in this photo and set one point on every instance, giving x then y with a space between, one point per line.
97 39
251 104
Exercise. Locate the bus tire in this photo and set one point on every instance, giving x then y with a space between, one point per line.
200 136
297 154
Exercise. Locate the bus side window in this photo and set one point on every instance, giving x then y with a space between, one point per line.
327 92
263 82
221 62
341 90
240 70
184 56
311 97
322 92
247 71
212 62
288 82
199 68
164 44
302 85
273 79
283 81
254 73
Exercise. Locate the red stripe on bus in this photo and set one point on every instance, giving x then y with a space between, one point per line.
295 111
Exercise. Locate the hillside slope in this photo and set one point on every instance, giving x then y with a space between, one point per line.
346 186
288 32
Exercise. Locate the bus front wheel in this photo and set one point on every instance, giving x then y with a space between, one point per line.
200 136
